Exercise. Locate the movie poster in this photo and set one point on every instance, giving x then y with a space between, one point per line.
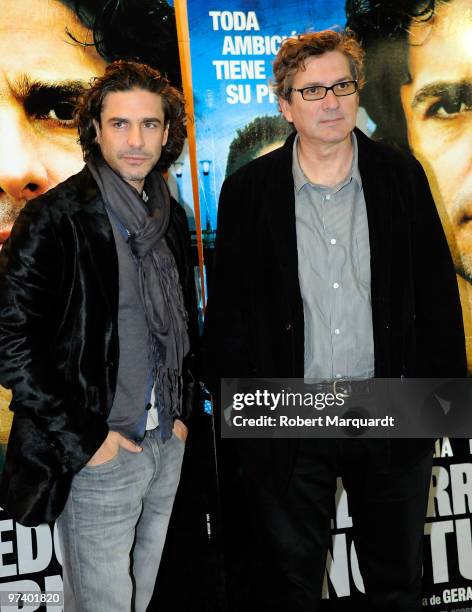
50 56
232 46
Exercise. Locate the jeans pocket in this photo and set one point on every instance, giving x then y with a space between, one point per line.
105 466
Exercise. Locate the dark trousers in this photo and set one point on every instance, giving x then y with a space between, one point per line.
293 530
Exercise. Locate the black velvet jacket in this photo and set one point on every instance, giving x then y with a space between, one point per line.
254 320
59 340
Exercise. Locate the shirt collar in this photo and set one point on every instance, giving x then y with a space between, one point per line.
300 179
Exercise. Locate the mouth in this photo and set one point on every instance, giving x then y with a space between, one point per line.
135 159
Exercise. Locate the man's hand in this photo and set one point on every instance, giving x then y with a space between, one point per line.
110 446
180 430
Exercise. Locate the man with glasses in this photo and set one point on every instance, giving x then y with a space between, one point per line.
331 263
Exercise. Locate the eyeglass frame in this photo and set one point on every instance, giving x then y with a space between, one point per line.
302 89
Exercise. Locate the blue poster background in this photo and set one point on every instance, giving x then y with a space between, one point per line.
215 32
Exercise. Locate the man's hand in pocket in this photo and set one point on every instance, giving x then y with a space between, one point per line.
109 448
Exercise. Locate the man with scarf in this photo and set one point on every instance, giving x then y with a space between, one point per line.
97 322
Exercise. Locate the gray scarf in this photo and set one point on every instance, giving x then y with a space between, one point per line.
159 283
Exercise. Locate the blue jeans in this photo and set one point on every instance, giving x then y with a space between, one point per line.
114 525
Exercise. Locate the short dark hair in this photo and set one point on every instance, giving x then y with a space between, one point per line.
253 137
383 30
294 52
140 30
124 76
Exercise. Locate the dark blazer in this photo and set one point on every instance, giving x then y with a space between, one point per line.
254 319
59 340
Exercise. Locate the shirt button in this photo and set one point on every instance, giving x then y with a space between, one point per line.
337 332
333 240
335 285
328 196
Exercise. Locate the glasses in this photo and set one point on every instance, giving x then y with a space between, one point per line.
318 92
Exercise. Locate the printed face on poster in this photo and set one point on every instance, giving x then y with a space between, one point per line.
419 62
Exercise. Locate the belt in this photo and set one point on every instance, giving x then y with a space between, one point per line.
343 386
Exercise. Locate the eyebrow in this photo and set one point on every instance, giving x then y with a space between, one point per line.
143 120
24 87
442 88
319 84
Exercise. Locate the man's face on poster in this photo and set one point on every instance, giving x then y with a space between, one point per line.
41 72
438 108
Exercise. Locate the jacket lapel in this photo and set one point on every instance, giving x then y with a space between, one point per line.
379 215
378 199
280 213
94 225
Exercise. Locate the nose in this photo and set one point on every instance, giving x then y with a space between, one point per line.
330 101
135 137
22 174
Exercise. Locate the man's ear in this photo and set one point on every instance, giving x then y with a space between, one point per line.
165 135
96 125
286 109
